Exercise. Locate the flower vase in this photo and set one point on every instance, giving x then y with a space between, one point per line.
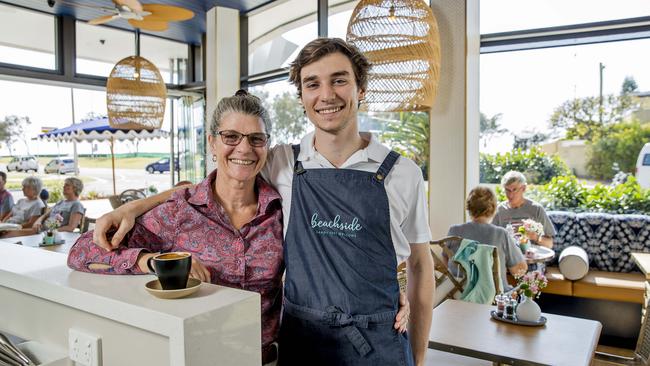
524 246
48 239
528 310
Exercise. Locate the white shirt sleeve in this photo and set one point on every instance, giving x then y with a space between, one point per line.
416 225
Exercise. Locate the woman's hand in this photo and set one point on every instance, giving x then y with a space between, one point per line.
402 318
113 226
199 271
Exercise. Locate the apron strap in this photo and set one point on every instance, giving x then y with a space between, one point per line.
336 318
297 165
386 166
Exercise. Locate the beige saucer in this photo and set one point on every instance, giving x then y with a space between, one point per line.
155 289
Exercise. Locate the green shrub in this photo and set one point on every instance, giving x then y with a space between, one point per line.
616 150
56 194
567 193
627 197
537 166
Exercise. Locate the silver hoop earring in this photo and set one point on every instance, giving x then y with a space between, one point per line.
214 158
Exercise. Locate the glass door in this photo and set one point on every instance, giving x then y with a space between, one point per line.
188 142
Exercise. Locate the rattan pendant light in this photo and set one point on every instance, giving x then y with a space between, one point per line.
135 95
401 39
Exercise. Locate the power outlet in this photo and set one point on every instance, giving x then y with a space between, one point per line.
84 349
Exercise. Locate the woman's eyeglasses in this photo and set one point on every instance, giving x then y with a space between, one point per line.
233 138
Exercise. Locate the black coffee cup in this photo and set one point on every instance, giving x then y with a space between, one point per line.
172 269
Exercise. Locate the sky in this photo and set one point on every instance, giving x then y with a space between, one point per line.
523 86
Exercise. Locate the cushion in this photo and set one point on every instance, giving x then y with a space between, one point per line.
613 286
573 263
557 284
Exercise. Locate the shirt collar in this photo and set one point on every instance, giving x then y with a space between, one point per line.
202 195
375 151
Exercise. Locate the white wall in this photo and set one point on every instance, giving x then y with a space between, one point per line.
455 115
222 62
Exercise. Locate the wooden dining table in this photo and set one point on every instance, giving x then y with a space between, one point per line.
467 329
36 241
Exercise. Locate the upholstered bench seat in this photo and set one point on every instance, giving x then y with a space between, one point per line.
628 287
557 284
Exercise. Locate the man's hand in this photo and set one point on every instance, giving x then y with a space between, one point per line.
116 223
404 313
532 236
122 219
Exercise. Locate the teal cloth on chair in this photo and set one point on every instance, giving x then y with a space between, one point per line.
476 259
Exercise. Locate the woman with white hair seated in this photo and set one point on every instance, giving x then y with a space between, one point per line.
28 209
69 209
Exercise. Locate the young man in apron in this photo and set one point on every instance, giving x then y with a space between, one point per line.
353 210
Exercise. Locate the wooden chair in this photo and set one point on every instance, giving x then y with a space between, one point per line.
127 195
641 353
86 222
442 272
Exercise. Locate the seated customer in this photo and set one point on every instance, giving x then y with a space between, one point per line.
518 208
27 209
481 204
6 199
69 208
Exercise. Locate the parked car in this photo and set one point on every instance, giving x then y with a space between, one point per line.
23 164
160 166
643 166
60 166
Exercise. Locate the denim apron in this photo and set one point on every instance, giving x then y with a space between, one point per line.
341 290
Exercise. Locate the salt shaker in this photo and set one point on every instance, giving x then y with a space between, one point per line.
501 304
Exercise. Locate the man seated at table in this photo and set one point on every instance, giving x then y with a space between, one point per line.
481 205
518 208
28 209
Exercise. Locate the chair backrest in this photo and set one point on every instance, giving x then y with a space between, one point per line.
86 223
441 269
456 281
127 195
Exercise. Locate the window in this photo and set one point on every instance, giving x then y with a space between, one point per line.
170 57
276 34
578 108
511 15
99 48
338 17
34 47
280 98
646 160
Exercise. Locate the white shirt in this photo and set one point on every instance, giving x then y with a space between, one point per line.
409 222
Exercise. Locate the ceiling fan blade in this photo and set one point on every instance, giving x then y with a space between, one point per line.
102 19
151 25
167 12
132 4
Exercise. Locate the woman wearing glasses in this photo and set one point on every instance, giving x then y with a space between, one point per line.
231 222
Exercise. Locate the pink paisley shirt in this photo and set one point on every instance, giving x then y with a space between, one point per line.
192 220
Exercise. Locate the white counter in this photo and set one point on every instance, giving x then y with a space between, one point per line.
41 299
